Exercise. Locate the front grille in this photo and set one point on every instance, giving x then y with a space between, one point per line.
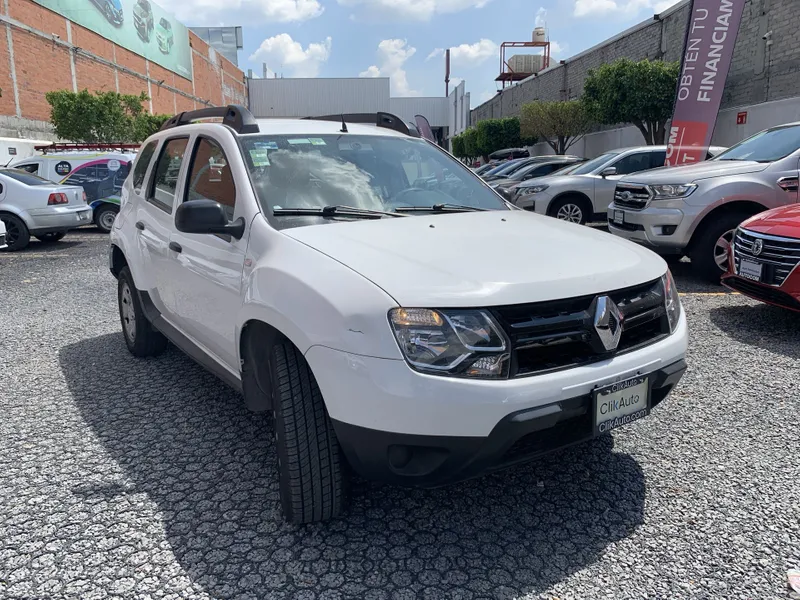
762 292
631 196
562 434
555 335
778 255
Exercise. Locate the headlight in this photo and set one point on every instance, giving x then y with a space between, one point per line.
672 302
524 191
661 192
460 343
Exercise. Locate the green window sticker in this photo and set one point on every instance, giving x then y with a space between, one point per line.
299 141
316 141
259 157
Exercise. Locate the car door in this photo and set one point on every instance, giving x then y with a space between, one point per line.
154 224
604 187
210 266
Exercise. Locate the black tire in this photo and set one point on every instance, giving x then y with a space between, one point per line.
140 336
705 250
313 481
569 208
17 235
104 217
51 237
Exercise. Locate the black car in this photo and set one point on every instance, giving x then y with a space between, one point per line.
509 153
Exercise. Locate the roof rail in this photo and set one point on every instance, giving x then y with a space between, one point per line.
381 119
78 146
234 116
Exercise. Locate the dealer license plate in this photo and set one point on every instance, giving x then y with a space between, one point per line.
619 217
621 403
750 270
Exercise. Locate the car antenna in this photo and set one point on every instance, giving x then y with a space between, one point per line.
344 126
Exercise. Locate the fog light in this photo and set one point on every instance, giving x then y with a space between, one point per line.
668 229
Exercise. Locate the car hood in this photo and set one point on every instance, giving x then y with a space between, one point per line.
782 222
482 258
695 172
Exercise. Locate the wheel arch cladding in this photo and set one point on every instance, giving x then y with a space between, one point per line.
256 342
745 207
118 260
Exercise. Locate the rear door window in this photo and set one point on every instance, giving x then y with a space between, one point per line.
164 181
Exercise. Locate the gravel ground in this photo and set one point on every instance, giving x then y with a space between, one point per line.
126 478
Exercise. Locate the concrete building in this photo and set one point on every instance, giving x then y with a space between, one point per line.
762 89
42 50
448 116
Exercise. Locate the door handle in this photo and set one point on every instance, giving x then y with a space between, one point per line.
139 225
175 247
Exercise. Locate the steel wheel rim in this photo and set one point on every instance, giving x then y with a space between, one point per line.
128 313
721 248
570 212
107 219
12 232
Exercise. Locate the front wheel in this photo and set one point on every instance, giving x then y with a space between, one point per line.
140 336
51 237
710 252
104 217
569 209
17 235
313 482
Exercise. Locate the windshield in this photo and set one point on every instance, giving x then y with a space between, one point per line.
591 165
368 172
25 177
504 167
767 146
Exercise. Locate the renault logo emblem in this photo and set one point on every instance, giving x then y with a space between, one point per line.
607 322
758 246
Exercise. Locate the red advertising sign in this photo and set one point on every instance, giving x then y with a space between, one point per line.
707 53
741 118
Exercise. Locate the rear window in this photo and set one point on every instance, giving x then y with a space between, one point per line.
25 177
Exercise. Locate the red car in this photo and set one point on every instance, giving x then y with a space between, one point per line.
764 258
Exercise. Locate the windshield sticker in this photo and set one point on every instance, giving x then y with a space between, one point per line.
259 157
317 141
267 145
354 146
299 141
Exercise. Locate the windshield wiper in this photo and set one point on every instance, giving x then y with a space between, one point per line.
337 210
440 208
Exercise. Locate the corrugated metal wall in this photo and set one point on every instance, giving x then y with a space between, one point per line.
318 96
433 109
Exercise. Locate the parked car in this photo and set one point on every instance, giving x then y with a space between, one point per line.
694 210
112 11
164 36
3 244
484 168
584 192
515 166
764 256
509 153
100 174
503 167
540 168
143 19
33 206
392 343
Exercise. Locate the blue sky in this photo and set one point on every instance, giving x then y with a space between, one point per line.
399 38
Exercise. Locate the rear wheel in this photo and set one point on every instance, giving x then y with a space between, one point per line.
571 208
140 336
313 482
104 217
709 253
17 235
51 237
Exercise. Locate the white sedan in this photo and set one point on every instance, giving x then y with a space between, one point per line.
32 206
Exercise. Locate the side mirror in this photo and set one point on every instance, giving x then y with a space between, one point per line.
206 216
608 171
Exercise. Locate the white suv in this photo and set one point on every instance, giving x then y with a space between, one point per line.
384 303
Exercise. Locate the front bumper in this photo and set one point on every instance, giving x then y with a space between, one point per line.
534 202
468 427
665 229
786 296
57 218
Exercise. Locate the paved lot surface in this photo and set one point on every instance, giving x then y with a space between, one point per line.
125 478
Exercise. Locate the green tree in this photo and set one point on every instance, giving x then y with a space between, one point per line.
641 93
103 117
471 143
458 147
511 132
490 136
561 124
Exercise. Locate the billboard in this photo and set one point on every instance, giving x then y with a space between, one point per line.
707 54
140 26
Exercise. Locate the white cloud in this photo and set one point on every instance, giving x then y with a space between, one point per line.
625 8
416 10
237 12
557 49
435 53
282 52
486 95
473 54
392 56
455 82
541 15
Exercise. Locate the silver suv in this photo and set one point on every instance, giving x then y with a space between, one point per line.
694 210
579 193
